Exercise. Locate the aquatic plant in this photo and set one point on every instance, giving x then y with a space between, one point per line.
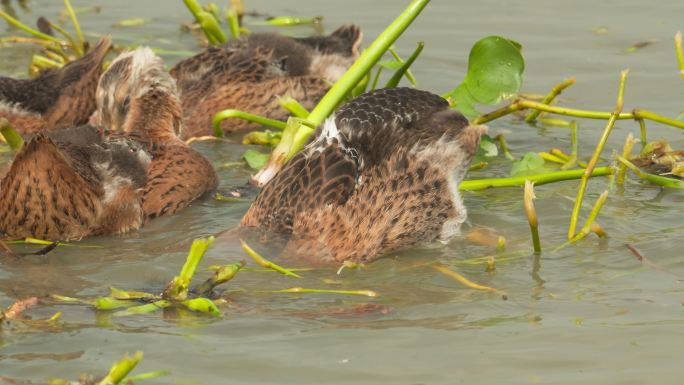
57 51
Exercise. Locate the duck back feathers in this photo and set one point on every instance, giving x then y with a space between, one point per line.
399 156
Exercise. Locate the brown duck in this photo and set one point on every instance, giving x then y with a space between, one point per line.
250 74
112 176
381 174
57 98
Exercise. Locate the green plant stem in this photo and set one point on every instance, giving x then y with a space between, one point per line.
293 107
374 85
233 23
656 179
403 70
230 113
398 58
597 153
77 27
587 228
18 24
680 54
178 288
538 179
43 62
12 137
504 146
521 104
121 369
263 262
531 214
555 91
626 153
367 293
77 47
642 129
368 58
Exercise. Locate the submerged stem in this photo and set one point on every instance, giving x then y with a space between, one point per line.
597 153
555 91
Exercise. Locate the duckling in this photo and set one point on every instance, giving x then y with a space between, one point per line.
250 74
112 176
72 183
138 99
57 98
381 174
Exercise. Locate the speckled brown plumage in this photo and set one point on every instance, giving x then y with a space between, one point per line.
71 185
381 174
57 98
148 109
252 73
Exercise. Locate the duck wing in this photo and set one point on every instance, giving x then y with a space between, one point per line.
62 97
316 177
49 193
177 176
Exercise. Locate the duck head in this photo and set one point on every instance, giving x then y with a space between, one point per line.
137 95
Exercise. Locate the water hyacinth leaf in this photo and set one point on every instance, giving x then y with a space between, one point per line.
178 287
255 159
531 163
495 68
202 305
487 148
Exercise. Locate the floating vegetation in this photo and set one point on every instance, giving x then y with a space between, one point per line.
57 51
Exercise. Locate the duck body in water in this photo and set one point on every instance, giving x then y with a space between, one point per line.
110 177
379 175
251 74
57 98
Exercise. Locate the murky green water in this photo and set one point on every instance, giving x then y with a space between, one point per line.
590 313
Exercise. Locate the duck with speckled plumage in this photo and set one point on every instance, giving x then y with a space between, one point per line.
379 175
252 73
126 167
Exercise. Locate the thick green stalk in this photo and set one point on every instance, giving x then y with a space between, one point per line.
293 107
642 129
231 113
178 288
555 91
370 56
597 153
121 369
538 179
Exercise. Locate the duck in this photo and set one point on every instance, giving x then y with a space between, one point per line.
253 72
58 97
379 175
114 174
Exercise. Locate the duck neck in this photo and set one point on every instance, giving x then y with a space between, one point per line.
157 114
